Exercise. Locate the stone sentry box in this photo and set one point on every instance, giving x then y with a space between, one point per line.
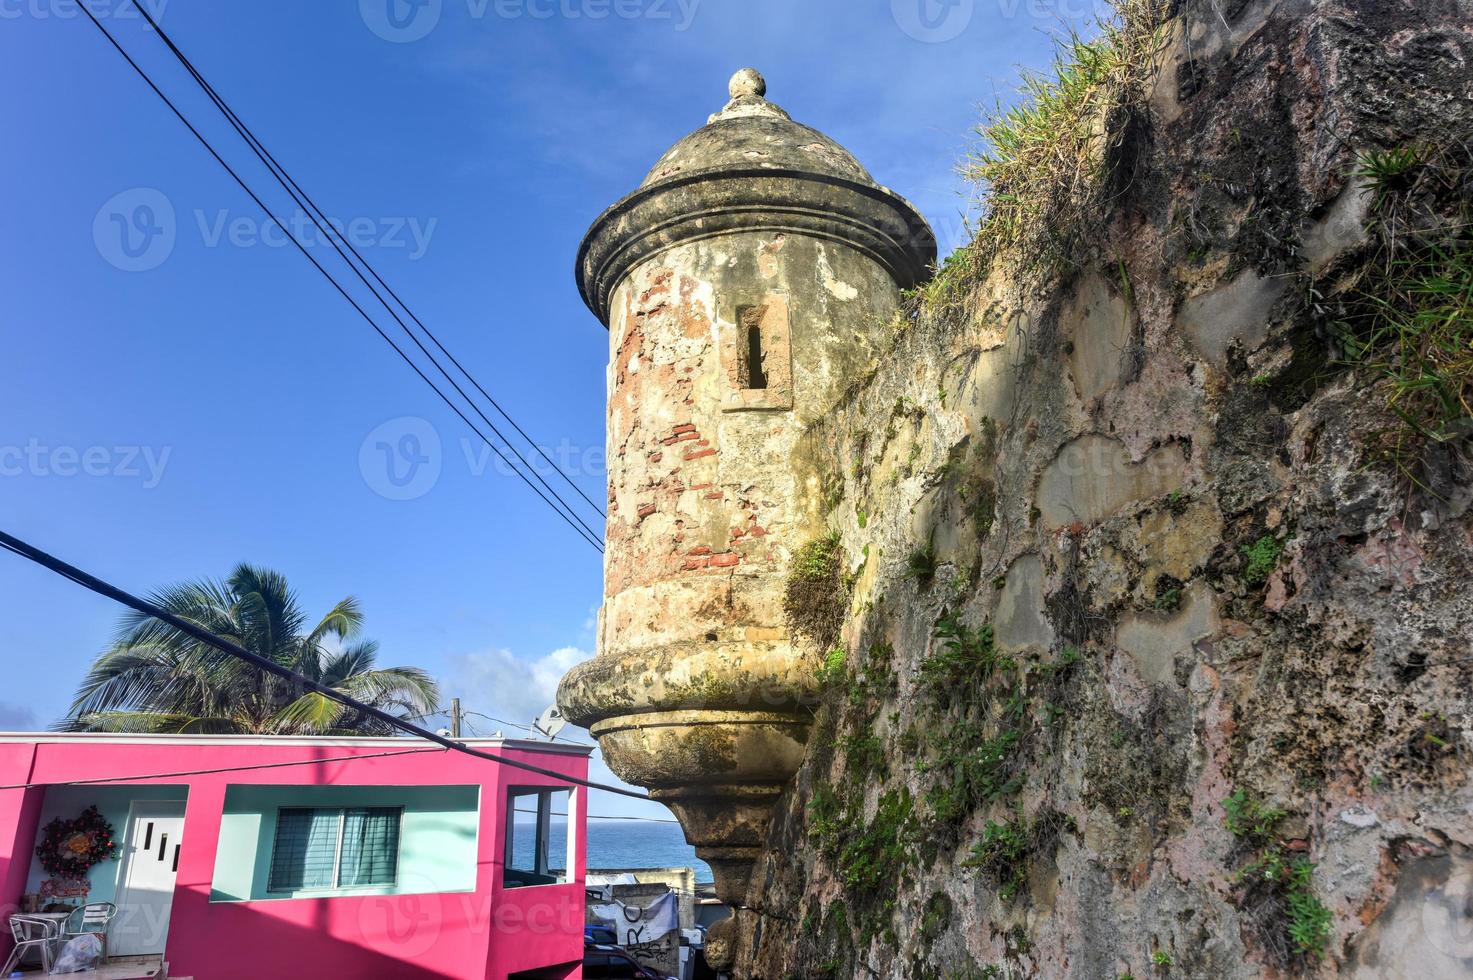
745 284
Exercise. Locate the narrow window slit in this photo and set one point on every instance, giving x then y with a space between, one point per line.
754 374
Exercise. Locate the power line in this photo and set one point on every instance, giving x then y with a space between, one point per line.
530 728
100 780
591 816
92 583
333 236
439 712
295 189
572 521
210 772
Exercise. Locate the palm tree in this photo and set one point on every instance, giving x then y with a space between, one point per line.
155 678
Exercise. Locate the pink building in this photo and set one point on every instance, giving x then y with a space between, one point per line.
313 857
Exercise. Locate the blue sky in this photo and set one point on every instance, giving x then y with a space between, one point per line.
212 400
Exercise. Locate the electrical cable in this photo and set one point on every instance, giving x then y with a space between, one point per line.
571 521
221 769
331 232
94 584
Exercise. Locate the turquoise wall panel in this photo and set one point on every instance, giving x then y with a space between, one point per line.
437 841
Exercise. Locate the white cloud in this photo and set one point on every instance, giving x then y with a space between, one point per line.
515 690
507 687
16 718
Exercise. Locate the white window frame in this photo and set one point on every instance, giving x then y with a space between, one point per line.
337 855
542 841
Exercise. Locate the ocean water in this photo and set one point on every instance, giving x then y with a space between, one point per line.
619 844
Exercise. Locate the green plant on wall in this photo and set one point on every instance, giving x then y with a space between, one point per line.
922 565
966 654
1408 323
816 595
1276 879
1002 856
834 668
1261 558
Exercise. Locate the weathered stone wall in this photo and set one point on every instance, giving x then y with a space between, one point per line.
1121 547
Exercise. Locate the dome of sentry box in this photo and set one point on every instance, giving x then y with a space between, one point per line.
752 168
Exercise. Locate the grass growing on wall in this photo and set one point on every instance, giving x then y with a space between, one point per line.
1410 325
1044 167
815 597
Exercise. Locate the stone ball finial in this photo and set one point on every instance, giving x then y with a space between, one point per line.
748 81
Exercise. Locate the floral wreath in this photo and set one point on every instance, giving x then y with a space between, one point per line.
71 848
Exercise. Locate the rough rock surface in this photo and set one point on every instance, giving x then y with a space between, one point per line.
1121 548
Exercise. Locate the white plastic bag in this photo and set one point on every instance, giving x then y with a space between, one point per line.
81 953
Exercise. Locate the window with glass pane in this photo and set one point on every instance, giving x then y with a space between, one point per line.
539 843
334 847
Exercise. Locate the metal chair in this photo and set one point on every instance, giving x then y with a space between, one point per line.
85 919
30 933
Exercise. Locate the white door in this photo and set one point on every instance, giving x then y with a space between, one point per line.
146 879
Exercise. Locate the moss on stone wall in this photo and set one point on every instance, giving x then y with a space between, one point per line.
1133 539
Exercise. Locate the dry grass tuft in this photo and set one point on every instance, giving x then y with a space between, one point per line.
1044 168
1409 322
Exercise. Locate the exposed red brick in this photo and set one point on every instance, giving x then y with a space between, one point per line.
757 531
646 511
695 564
726 560
699 453
684 427
700 486
700 550
656 457
715 495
